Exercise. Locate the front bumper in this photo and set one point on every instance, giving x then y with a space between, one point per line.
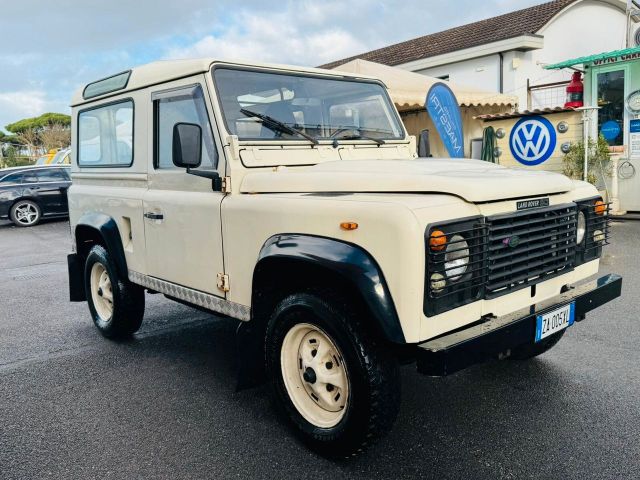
497 335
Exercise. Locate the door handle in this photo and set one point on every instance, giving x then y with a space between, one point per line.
154 216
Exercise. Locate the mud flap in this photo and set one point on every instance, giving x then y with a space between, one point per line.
251 362
75 266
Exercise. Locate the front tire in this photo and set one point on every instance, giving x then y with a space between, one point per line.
116 305
25 213
334 382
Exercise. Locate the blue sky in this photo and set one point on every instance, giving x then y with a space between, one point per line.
46 55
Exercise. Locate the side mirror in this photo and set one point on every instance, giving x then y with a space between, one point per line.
187 145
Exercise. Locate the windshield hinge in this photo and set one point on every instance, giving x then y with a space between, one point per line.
226 184
234 146
223 282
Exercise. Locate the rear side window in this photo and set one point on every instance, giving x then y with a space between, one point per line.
12 179
105 136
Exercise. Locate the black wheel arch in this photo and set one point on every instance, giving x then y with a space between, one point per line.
97 228
290 263
308 260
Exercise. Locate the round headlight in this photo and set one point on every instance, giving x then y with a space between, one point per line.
456 258
581 228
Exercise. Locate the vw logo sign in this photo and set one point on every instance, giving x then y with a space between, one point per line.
532 140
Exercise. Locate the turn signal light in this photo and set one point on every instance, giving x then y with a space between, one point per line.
348 225
437 240
600 207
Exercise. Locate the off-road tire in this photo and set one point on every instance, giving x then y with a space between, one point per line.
373 374
23 222
531 350
128 298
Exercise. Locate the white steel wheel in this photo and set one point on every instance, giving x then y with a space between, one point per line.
101 292
26 213
314 375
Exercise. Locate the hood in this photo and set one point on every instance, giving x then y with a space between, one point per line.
473 180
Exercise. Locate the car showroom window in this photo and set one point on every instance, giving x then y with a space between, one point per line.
105 136
184 105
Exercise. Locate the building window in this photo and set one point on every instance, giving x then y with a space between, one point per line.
610 96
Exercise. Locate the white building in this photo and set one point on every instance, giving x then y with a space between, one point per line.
507 53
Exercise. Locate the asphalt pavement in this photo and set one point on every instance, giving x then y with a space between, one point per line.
164 405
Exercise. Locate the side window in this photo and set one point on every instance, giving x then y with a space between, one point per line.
12 179
29 177
51 175
105 136
185 105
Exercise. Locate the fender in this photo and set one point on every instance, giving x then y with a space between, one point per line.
351 262
107 228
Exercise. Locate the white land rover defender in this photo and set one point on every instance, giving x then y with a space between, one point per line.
293 200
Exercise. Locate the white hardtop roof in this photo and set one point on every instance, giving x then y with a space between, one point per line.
166 70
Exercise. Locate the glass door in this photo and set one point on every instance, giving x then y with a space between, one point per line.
610 97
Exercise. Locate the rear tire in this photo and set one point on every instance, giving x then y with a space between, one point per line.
335 383
116 304
531 350
25 213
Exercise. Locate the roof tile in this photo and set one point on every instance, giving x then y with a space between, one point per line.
510 25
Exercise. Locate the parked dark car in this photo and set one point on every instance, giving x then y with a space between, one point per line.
28 194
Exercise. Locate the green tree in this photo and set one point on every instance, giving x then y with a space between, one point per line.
40 134
598 160
44 121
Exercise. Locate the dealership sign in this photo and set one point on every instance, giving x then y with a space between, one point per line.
618 58
532 140
442 105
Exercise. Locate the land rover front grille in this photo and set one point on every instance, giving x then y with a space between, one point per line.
529 247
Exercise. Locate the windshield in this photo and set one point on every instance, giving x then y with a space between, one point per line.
271 106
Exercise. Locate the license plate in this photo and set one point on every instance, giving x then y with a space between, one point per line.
554 321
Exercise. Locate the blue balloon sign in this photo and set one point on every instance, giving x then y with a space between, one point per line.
443 108
610 130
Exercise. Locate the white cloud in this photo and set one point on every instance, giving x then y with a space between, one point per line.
41 70
281 37
26 103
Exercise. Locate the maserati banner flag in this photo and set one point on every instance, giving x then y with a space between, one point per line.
442 105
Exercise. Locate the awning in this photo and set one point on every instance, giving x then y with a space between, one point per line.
524 113
408 90
623 55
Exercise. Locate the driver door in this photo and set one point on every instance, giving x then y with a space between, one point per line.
183 233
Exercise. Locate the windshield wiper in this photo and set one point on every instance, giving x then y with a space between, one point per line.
358 136
278 126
